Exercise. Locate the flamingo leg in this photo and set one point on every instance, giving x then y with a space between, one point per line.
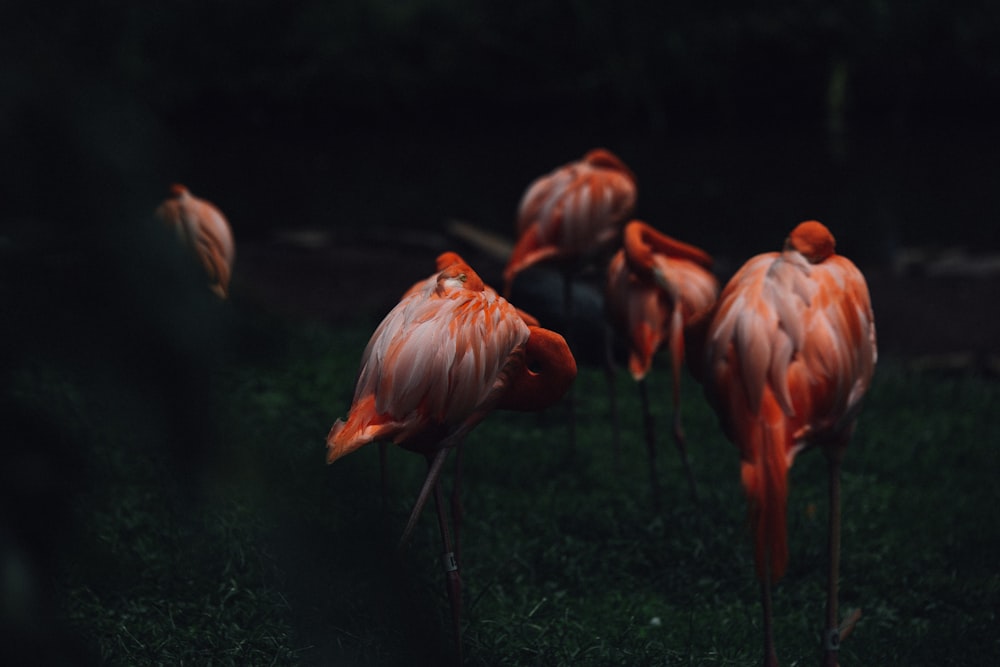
456 504
676 361
681 443
430 482
647 417
450 563
770 655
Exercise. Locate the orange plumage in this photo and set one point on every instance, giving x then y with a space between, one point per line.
572 212
448 354
656 286
441 360
203 229
790 353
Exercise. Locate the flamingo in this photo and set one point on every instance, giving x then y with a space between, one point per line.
204 230
657 285
568 217
444 261
790 353
446 356
569 214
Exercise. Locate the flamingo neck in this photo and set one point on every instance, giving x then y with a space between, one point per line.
177 191
642 242
547 373
605 159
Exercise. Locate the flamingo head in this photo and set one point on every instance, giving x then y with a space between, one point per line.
177 190
813 240
605 159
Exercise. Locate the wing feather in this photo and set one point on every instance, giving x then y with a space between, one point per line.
791 350
573 205
779 310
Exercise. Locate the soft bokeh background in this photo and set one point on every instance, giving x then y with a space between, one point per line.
876 117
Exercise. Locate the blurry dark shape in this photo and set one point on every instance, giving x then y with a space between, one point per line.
40 474
495 246
124 304
113 312
542 291
204 231
944 262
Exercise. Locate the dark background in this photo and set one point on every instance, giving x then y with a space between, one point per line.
372 124
875 117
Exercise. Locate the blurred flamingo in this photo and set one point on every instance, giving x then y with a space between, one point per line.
446 356
656 287
790 353
569 217
203 229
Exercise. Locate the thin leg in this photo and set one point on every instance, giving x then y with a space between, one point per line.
681 442
456 504
676 360
832 632
647 416
430 482
451 570
770 655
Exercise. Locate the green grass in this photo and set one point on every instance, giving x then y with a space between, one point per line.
261 554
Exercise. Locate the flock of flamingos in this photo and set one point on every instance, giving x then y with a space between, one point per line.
785 352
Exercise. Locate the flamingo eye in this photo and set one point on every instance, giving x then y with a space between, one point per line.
463 277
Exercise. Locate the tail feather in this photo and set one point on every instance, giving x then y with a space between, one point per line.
363 425
765 481
528 251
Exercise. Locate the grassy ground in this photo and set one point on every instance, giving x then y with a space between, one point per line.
261 554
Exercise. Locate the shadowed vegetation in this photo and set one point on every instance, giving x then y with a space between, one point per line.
264 555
